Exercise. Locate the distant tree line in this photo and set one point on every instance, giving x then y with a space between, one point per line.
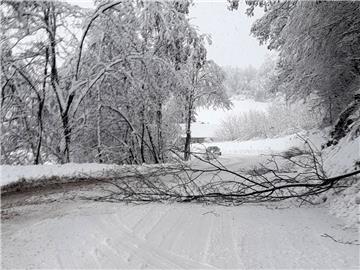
250 82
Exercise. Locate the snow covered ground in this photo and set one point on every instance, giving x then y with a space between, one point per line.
175 236
342 157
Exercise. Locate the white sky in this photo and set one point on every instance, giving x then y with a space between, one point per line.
232 44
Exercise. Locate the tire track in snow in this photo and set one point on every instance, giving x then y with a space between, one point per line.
163 234
235 240
206 249
125 239
192 241
145 254
145 225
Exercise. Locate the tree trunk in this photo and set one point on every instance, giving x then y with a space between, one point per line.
67 136
156 159
40 132
50 21
159 132
40 110
188 134
331 120
142 142
98 127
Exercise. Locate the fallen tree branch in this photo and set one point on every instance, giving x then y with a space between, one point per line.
340 241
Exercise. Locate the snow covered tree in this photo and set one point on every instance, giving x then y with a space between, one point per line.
38 36
104 97
146 44
204 87
318 45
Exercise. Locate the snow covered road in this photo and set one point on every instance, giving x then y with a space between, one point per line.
164 236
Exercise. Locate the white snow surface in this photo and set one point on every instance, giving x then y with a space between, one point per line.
175 236
341 158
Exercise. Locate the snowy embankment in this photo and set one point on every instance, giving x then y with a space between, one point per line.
11 174
339 159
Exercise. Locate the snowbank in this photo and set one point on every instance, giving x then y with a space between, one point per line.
345 204
11 174
342 158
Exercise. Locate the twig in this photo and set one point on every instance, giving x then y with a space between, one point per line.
341 242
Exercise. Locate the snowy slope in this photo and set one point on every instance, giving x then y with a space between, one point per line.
341 158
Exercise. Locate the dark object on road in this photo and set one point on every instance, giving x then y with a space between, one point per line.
212 152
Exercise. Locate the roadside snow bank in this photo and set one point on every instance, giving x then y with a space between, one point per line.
14 174
342 157
339 159
345 204
10 174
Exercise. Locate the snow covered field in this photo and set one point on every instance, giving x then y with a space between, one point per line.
175 236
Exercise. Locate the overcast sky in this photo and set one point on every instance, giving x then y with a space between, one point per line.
232 44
